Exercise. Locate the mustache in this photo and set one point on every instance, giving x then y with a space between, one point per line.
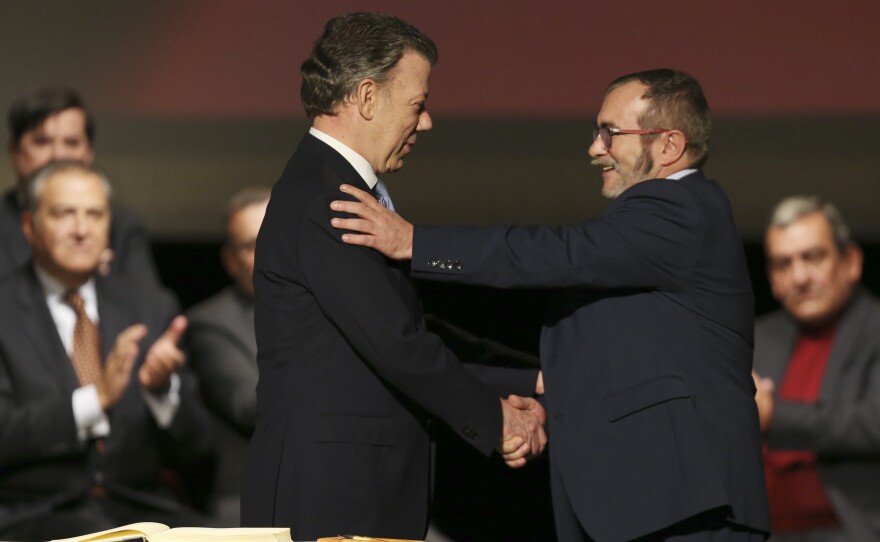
606 163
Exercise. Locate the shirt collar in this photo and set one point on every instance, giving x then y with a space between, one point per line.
358 162
55 291
683 173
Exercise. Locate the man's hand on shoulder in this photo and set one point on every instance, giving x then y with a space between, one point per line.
377 227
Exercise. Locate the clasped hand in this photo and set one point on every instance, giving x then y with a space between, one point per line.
523 435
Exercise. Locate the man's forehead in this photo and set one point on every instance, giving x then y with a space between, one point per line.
73 184
804 234
72 117
621 103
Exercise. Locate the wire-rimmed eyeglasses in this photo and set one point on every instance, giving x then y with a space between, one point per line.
606 133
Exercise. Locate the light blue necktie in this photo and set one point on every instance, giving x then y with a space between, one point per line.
383 196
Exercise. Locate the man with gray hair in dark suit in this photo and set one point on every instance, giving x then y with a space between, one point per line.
818 378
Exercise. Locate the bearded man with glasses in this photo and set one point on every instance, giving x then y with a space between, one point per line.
647 346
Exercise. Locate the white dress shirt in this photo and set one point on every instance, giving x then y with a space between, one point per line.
358 162
91 421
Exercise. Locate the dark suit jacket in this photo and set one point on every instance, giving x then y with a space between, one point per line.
349 377
646 352
128 240
43 465
222 350
842 427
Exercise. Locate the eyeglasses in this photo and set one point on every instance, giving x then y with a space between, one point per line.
605 134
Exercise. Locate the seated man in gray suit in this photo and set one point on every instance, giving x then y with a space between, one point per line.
223 349
817 365
94 398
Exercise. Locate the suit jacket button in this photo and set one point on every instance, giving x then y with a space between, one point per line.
458 266
441 265
432 263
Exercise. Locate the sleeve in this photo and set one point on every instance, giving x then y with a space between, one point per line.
34 429
371 301
845 425
188 435
648 239
505 370
227 378
163 405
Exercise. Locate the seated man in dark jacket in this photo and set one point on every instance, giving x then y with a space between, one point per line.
94 398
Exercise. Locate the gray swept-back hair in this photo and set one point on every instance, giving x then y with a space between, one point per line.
354 47
793 208
37 181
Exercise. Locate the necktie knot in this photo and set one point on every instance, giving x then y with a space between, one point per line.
383 196
72 298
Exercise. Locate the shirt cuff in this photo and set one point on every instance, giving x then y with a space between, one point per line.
164 406
91 421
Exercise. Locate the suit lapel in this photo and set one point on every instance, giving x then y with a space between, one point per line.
112 313
841 351
40 328
14 246
243 313
327 154
779 350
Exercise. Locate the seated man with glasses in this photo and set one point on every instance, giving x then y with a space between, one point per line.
223 349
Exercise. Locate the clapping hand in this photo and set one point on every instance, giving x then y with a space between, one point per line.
164 357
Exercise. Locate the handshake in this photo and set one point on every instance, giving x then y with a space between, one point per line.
522 436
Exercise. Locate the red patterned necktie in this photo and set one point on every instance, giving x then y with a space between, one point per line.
86 355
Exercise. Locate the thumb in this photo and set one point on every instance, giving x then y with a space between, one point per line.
516 401
175 329
134 333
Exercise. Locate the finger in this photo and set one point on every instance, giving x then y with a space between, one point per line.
518 463
353 224
130 337
538 411
541 442
512 444
516 401
175 330
364 197
361 239
151 376
522 451
539 384
356 208
128 360
159 365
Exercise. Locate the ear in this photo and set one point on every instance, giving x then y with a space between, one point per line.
27 226
227 256
367 96
89 156
854 258
672 147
